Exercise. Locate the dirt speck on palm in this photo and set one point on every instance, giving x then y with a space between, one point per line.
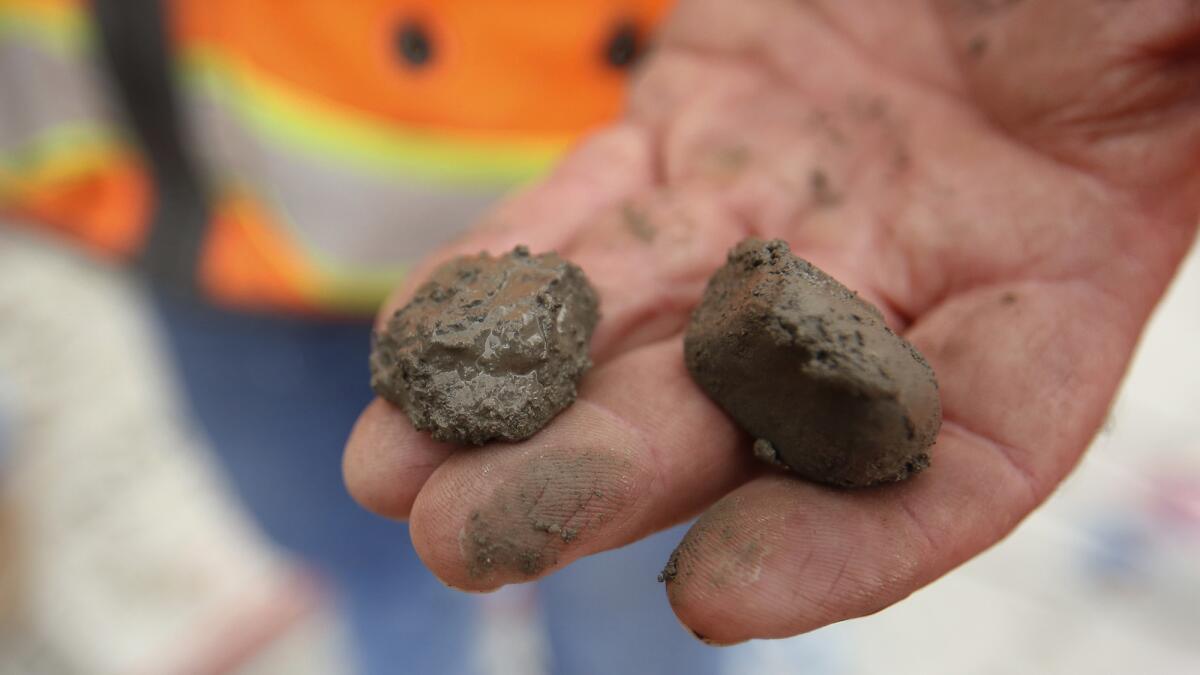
490 348
811 370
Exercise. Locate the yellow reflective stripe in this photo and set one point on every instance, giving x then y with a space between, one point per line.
358 292
61 26
61 140
58 153
324 128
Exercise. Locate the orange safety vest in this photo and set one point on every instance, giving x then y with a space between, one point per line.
335 142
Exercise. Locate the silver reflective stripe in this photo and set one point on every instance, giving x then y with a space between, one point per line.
6 423
42 90
345 217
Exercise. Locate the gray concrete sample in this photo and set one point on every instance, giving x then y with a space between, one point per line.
490 348
811 370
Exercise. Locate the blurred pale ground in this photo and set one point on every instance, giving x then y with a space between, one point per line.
122 549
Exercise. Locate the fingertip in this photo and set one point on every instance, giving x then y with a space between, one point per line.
668 581
694 599
714 643
681 581
456 567
754 565
386 460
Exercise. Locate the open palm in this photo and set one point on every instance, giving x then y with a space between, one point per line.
1013 183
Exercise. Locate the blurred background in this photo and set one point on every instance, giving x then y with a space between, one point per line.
201 204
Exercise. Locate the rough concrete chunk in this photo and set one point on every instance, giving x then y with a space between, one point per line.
489 348
811 370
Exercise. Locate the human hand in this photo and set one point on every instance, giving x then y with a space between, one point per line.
1012 182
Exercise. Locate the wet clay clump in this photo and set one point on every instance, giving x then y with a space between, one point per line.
489 348
811 370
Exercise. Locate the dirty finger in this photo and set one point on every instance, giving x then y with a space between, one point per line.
642 449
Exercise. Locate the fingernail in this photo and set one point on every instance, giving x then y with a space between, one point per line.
711 642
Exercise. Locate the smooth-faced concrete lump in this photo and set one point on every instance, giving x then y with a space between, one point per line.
489 348
811 370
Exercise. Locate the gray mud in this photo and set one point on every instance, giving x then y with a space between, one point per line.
811 371
489 348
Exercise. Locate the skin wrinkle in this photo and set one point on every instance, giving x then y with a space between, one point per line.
670 130
1112 300
667 319
656 473
864 585
926 535
1094 123
677 263
657 135
1150 108
660 129
537 500
874 592
810 12
1149 98
569 534
1178 51
822 12
798 590
990 120
1027 479
1029 267
747 61
884 236
1097 272
1082 430
831 591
